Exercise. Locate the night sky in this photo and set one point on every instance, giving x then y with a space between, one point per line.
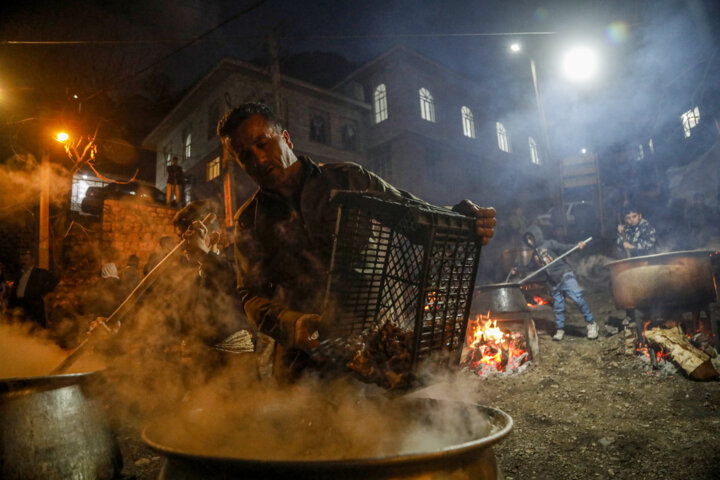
120 46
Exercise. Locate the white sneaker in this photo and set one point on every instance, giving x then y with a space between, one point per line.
592 331
559 335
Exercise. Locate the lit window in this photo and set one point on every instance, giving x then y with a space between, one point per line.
651 146
188 144
380 103
427 108
641 152
534 154
690 119
502 137
467 122
168 155
213 168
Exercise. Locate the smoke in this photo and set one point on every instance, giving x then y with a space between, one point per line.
25 352
234 416
20 183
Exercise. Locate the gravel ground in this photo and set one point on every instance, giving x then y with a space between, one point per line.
582 410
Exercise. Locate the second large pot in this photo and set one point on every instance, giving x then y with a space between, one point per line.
664 280
52 430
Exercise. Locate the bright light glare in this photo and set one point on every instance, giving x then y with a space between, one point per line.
62 137
583 151
580 63
515 47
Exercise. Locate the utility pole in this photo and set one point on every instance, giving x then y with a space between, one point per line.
44 220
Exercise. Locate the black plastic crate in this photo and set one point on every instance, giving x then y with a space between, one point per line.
407 264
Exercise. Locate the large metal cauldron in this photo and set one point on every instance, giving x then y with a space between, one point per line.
672 279
51 430
499 298
468 460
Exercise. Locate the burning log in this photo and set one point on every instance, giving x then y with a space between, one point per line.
693 361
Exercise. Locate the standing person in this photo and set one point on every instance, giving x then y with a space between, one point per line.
560 277
174 182
165 246
105 295
636 237
30 288
284 232
130 276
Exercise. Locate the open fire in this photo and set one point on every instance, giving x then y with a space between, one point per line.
491 349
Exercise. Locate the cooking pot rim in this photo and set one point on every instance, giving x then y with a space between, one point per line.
453 450
680 253
12 384
495 286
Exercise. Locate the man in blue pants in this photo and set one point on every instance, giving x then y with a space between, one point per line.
560 278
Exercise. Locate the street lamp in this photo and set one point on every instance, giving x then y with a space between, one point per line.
580 63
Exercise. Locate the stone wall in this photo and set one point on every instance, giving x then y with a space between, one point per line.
132 228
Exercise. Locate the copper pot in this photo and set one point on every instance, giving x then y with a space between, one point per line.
52 430
466 460
671 279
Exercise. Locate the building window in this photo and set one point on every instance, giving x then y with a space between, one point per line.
641 152
80 184
380 103
167 153
427 108
213 168
348 136
319 127
690 119
534 154
380 162
502 137
467 122
187 143
651 146
213 118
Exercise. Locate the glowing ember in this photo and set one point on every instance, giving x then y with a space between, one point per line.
432 302
491 349
537 301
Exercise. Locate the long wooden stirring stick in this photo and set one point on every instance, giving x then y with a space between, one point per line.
129 303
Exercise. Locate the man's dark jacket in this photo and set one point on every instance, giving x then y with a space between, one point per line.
40 283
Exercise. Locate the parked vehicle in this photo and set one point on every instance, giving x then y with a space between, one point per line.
133 191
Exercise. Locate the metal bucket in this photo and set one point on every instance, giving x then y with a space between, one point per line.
663 280
51 430
467 460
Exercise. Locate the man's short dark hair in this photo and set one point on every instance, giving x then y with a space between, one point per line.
628 209
232 119
195 211
133 261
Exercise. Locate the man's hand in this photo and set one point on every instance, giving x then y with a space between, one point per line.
621 228
628 245
100 324
581 245
198 240
306 331
485 223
